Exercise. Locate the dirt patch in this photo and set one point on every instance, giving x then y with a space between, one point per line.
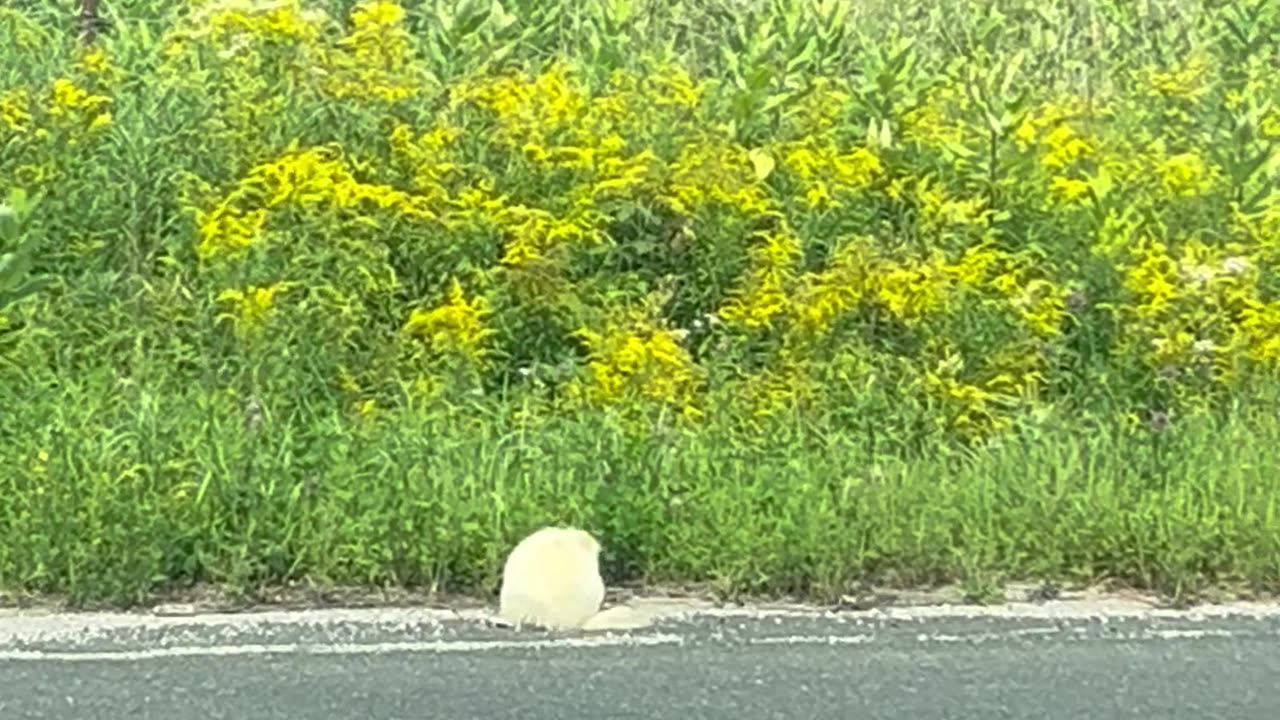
209 599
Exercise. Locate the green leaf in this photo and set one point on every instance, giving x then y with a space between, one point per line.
26 289
470 16
780 100
13 266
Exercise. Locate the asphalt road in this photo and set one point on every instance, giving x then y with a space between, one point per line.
1036 662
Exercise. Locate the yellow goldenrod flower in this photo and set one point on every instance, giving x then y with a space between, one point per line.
456 329
250 307
1185 175
1068 191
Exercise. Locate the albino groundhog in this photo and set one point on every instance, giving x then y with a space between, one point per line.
552 580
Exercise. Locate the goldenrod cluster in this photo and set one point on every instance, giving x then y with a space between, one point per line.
520 214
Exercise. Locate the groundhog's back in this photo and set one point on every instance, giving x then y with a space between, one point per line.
552 579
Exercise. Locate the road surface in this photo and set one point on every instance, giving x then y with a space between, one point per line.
1032 661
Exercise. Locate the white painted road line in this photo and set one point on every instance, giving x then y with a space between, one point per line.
443 646
588 643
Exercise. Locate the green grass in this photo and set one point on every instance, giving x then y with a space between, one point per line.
142 449
145 489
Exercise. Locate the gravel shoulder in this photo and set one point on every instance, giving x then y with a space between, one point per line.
1047 660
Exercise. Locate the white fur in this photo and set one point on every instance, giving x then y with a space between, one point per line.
552 580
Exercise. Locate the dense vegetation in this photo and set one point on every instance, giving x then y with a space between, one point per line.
777 296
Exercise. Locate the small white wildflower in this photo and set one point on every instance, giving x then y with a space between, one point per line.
525 371
1204 347
1235 265
1200 274
253 413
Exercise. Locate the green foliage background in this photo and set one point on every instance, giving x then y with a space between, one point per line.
779 297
